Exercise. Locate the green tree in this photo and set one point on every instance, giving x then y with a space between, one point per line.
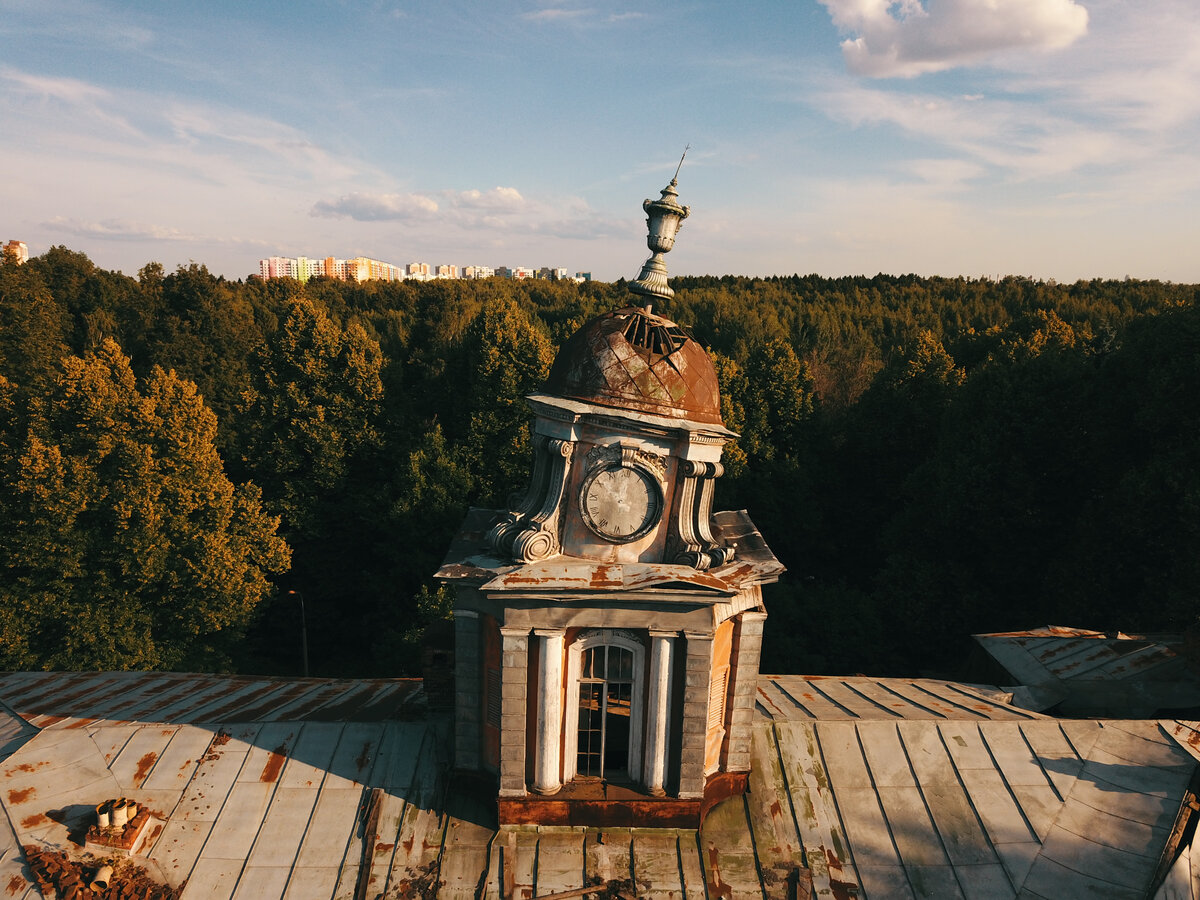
311 423
33 327
505 357
311 411
124 545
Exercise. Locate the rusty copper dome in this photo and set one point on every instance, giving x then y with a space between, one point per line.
633 359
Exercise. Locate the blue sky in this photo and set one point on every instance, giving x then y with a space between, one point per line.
1049 138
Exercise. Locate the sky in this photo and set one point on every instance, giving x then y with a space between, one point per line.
1044 138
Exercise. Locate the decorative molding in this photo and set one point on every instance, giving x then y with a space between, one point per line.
592 636
622 454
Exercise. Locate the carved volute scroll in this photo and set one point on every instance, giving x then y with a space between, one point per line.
501 536
695 544
538 538
530 533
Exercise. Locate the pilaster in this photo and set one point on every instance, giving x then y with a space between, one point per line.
514 683
697 672
747 651
468 702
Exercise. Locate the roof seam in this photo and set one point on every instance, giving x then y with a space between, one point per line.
928 811
971 803
1041 768
1008 786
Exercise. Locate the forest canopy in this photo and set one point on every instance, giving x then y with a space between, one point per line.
187 459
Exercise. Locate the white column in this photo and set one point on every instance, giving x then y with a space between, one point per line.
549 711
658 726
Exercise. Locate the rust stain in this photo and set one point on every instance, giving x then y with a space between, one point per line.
274 766
408 845
16 884
145 764
15 797
521 579
382 848
601 578
34 821
23 767
716 887
771 703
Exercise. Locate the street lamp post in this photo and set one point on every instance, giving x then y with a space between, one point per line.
303 629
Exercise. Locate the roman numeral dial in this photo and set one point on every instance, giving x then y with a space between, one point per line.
620 503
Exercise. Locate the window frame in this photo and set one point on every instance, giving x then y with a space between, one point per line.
587 640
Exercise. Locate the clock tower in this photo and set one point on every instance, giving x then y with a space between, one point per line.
608 627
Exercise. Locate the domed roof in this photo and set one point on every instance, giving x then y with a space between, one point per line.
633 359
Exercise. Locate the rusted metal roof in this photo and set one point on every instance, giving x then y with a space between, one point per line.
957 808
787 698
632 359
469 561
81 699
1093 673
873 788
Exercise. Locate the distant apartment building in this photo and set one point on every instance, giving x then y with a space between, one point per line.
515 272
362 268
19 248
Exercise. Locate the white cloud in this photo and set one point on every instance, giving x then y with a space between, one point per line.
581 16
557 15
904 38
499 199
364 207
464 207
116 229
78 99
502 211
129 230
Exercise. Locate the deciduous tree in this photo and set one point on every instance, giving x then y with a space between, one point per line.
123 544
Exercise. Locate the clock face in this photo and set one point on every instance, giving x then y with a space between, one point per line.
620 503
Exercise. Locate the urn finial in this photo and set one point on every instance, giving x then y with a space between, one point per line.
664 217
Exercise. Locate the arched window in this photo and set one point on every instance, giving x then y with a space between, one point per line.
605 675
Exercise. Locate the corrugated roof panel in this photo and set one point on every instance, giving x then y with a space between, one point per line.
962 834
932 802
1064 666
729 858
945 808
786 697
53 699
655 877
560 861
